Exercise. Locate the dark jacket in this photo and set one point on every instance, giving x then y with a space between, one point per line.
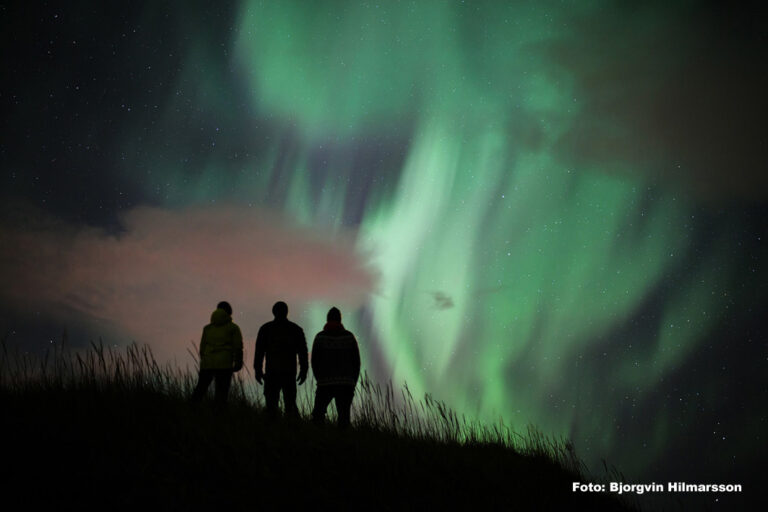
335 356
221 346
281 341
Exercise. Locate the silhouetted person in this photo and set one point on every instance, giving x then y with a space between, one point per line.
336 365
281 342
221 354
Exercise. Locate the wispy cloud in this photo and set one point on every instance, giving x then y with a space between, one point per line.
160 279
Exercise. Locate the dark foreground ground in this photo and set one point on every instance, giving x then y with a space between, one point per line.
106 451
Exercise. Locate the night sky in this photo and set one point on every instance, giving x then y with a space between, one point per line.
550 213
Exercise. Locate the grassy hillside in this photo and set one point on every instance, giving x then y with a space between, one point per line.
103 429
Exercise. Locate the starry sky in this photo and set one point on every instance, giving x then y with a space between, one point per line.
548 212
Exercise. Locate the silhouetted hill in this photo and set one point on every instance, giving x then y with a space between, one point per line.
93 438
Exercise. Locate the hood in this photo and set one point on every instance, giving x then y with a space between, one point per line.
334 326
220 317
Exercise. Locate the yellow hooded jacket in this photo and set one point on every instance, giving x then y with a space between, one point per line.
221 347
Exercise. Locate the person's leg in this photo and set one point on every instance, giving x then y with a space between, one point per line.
344 396
223 382
271 394
204 379
323 397
289 396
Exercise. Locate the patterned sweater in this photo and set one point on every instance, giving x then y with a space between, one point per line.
335 356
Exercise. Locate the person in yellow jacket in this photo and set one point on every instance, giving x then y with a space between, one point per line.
221 354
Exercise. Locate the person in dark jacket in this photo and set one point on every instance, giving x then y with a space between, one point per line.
221 354
280 342
336 365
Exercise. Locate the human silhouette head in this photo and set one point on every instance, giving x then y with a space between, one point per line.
280 310
225 306
334 315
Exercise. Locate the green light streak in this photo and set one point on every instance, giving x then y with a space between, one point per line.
543 261
540 260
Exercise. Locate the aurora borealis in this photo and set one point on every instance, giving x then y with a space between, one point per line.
549 213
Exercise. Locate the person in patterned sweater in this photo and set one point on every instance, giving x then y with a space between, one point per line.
336 365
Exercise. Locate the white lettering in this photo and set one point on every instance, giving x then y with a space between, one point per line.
590 487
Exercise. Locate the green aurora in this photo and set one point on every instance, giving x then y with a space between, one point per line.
543 259
544 250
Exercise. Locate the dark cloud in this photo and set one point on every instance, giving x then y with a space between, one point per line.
442 300
679 89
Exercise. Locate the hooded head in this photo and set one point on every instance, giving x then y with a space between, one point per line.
222 314
334 315
280 310
225 306
220 317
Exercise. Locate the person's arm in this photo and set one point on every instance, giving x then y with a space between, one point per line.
303 357
203 348
258 358
317 359
356 359
237 348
